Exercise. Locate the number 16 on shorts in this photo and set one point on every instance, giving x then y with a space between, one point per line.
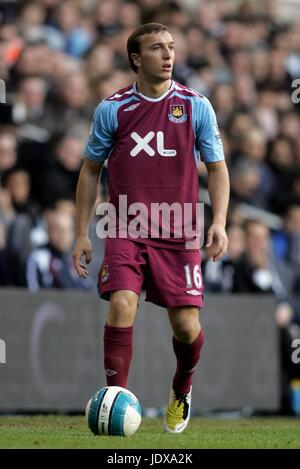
193 277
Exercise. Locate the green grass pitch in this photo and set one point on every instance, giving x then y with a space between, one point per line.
54 431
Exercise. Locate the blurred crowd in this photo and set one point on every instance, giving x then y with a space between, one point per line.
60 58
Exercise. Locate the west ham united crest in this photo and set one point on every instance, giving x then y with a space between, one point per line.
104 274
177 113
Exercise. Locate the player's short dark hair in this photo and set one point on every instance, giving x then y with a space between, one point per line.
133 42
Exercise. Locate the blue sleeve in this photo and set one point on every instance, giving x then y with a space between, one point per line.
208 140
104 125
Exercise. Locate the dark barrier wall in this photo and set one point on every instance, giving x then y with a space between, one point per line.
53 345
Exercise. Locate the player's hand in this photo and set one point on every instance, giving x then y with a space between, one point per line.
82 248
217 241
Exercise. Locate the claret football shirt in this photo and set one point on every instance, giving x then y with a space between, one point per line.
153 148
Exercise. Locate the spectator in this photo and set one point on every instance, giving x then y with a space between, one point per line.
35 59
290 125
60 180
7 213
32 99
25 231
8 150
51 266
245 179
74 100
77 39
286 243
17 182
258 271
107 17
281 163
129 15
222 99
253 150
3 264
219 276
99 62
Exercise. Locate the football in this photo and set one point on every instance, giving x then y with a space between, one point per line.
113 411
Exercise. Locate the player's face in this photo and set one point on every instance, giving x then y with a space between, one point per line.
156 57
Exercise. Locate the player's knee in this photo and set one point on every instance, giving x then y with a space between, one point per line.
187 330
122 310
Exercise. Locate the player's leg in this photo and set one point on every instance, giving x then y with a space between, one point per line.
120 282
176 283
118 336
188 339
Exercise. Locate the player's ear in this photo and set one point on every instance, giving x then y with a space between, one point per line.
136 59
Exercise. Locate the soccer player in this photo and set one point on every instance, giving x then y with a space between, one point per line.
152 133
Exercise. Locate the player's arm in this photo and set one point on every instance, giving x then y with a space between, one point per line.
86 194
219 189
98 147
212 154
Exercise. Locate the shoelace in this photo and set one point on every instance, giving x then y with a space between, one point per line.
182 399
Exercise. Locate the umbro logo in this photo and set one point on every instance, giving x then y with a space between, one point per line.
132 107
193 292
109 372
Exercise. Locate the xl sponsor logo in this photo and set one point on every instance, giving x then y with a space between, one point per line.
142 144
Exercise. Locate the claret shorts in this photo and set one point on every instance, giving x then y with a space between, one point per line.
170 277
